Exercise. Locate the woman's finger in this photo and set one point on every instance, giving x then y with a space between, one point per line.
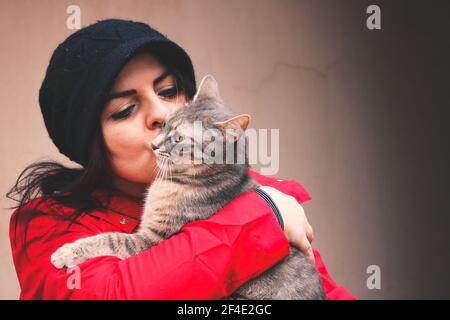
310 233
305 247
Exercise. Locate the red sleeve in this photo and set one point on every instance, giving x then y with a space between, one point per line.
209 259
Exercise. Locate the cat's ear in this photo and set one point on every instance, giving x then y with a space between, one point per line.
208 89
238 122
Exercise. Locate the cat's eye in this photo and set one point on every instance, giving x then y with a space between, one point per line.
179 138
124 113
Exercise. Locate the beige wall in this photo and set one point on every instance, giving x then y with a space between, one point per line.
301 66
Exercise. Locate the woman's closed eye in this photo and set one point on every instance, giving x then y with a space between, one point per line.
125 112
166 93
169 92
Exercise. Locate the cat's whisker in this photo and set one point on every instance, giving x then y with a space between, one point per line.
153 171
165 170
159 175
163 175
170 172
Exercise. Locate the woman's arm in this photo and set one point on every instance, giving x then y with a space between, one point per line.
287 195
209 259
296 226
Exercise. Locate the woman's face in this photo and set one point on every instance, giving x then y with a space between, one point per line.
142 96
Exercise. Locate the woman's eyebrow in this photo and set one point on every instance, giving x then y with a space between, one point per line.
121 94
160 78
132 92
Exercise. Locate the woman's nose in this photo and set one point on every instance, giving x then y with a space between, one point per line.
157 114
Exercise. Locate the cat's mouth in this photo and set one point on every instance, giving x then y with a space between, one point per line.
163 158
163 155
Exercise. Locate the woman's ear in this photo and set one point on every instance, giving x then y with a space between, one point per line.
208 89
238 122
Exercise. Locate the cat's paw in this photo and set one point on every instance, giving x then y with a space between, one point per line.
69 255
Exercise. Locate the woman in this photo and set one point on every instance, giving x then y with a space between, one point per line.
107 90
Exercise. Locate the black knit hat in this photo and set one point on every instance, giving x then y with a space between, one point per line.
82 71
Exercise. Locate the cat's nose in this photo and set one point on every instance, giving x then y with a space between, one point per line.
154 147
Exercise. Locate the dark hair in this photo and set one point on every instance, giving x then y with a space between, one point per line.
73 187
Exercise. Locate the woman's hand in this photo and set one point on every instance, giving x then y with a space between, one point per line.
296 227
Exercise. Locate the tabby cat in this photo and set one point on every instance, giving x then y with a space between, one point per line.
192 184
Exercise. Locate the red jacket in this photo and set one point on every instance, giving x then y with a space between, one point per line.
209 259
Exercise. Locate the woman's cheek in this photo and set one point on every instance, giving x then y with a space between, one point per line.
134 166
138 170
122 139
